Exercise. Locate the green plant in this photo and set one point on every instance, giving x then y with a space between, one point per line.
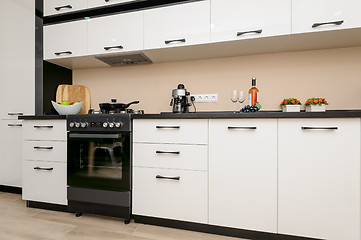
316 101
290 101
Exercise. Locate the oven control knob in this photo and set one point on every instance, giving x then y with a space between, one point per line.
83 124
118 124
105 124
72 124
77 124
111 125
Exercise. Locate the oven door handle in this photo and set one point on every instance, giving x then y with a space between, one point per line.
95 135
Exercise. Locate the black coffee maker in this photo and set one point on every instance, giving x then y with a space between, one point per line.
181 100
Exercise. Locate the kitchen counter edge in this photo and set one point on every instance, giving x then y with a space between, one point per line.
41 117
261 114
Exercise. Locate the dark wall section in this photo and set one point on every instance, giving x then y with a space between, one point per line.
53 76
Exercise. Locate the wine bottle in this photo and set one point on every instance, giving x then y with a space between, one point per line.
253 93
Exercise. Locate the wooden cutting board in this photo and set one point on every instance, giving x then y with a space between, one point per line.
74 93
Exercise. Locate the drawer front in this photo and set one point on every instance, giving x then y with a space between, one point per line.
184 199
51 151
192 157
188 131
46 184
44 130
53 7
101 3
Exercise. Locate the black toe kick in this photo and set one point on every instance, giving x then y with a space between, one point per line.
47 206
225 231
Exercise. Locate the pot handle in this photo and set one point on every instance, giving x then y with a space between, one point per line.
134 102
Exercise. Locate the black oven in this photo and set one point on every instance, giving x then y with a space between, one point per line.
99 164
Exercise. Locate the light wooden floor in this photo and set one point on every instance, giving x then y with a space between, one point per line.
17 222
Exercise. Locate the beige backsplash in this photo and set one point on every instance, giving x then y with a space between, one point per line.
334 74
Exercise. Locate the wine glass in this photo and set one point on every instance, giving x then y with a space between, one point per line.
241 97
234 99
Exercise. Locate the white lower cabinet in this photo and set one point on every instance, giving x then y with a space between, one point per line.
11 155
45 161
243 174
319 178
175 194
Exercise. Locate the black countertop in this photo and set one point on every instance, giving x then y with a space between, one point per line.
260 114
214 115
41 117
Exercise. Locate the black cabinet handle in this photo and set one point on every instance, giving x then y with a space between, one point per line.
46 148
319 128
60 53
14 125
107 48
171 127
106 0
45 169
244 128
327 23
15 114
36 126
175 152
170 178
66 6
175 40
255 31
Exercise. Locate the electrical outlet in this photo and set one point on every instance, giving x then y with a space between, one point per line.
210 98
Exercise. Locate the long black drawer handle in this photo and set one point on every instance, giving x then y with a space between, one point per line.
170 178
171 127
46 148
15 125
60 53
175 40
45 169
255 31
36 126
319 128
175 152
107 48
16 114
244 128
327 23
66 6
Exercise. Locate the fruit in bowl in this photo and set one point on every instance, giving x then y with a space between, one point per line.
67 108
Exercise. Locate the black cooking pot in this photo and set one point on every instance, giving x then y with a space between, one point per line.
114 106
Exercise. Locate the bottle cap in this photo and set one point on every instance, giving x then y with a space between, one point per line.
253 81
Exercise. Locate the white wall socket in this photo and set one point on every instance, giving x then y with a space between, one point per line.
210 98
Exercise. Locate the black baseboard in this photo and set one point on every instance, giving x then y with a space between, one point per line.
47 206
9 189
225 231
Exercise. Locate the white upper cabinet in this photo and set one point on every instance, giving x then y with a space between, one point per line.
102 3
65 40
178 25
235 20
325 15
117 33
53 7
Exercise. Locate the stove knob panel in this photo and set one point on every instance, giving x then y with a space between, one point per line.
77 124
118 124
111 125
71 125
105 124
83 124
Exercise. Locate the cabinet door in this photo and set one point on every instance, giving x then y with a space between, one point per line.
65 40
17 58
179 25
243 174
102 3
11 154
53 7
183 199
235 20
325 15
117 33
319 178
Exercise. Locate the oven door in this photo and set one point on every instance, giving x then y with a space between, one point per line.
99 161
